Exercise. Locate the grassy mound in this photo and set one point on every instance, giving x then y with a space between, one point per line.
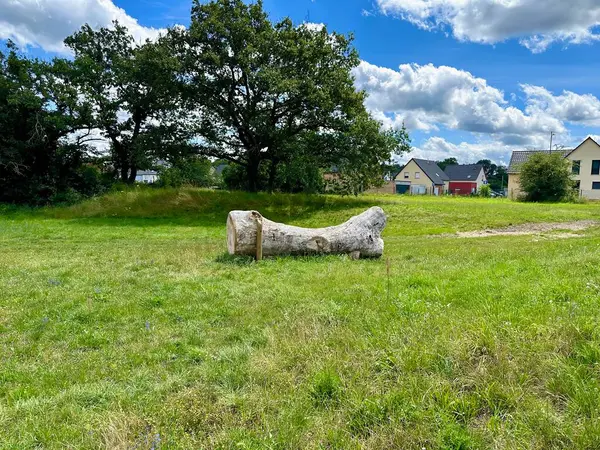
408 215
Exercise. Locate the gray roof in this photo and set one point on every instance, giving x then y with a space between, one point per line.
432 170
519 157
220 168
463 172
146 172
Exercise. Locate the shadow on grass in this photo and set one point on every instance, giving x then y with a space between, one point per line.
234 260
239 260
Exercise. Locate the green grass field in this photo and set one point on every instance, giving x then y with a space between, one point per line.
124 324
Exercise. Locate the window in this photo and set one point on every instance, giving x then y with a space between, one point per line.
596 185
576 167
596 167
406 175
418 174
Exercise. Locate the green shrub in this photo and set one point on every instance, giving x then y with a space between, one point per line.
485 191
67 197
295 176
546 177
192 172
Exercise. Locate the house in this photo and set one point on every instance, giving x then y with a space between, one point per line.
333 174
146 176
420 176
585 167
218 170
465 179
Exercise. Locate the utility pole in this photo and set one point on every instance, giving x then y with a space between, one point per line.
552 134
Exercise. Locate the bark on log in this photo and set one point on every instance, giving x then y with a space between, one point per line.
360 236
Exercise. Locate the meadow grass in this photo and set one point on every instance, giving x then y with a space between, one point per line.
124 324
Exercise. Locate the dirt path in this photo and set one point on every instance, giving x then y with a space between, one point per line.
533 228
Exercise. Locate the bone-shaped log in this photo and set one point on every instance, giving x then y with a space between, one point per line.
360 236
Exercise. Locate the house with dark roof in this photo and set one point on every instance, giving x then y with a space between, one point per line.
465 179
424 177
420 176
585 168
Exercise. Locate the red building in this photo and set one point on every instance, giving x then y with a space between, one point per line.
465 179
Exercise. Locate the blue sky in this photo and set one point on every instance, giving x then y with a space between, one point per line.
470 79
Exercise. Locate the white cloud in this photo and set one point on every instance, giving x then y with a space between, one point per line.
536 23
568 106
429 97
46 23
312 26
438 149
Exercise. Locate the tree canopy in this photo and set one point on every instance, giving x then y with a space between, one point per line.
447 162
37 161
496 175
133 93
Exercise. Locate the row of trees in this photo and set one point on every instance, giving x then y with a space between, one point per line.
275 100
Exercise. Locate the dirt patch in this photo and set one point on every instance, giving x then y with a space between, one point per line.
533 228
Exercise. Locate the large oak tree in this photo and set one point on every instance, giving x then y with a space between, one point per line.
260 89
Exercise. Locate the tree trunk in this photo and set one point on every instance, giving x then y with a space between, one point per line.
359 236
272 174
252 169
124 172
132 175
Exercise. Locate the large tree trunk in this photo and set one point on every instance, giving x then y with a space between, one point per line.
252 171
132 175
124 173
359 236
272 174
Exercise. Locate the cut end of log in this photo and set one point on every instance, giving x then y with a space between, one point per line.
231 234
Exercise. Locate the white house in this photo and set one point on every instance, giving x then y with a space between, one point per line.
146 176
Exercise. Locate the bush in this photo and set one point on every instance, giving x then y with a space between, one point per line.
299 176
546 177
294 176
67 197
235 177
485 191
192 172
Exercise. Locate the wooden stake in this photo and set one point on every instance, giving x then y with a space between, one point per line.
259 234
388 265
